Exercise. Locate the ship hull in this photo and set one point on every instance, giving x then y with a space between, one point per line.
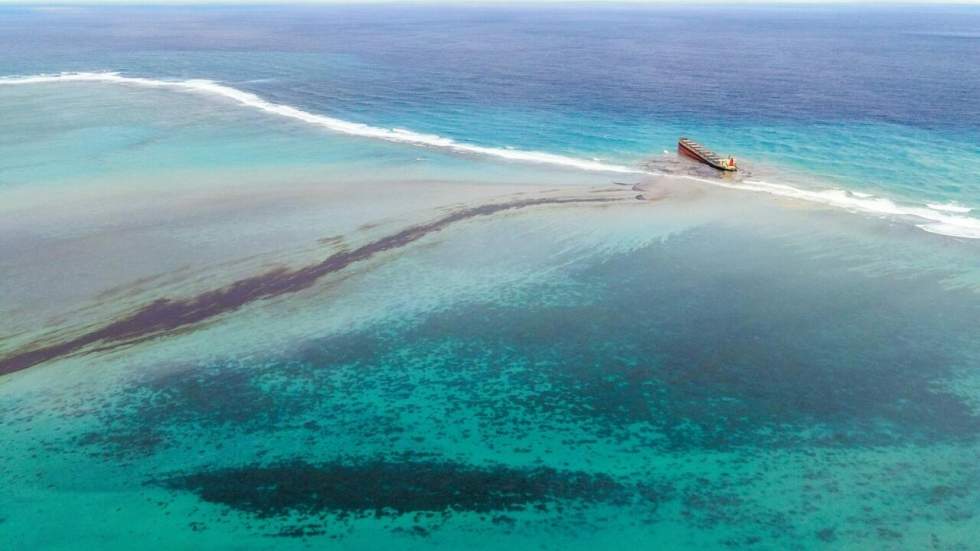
702 156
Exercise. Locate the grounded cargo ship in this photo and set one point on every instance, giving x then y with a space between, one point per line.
698 152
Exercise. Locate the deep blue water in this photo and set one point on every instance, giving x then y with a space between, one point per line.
914 66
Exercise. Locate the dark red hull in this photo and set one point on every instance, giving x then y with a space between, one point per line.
688 153
695 151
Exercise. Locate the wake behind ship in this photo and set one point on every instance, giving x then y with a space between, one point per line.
698 152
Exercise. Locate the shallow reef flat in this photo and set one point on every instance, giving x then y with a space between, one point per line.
660 364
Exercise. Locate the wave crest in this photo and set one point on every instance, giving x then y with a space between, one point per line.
939 221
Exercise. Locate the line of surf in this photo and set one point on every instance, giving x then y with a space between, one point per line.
248 99
949 207
939 219
942 221
933 220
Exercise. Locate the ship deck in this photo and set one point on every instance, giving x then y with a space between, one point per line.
702 153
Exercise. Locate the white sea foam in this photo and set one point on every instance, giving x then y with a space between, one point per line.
949 207
941 219
952 230
939 222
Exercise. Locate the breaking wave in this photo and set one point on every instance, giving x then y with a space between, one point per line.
936 221
949 207
934 218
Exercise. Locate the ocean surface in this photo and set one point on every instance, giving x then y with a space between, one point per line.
403 277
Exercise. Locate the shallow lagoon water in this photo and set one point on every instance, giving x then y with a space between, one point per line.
662 363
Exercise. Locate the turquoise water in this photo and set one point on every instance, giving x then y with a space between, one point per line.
234 323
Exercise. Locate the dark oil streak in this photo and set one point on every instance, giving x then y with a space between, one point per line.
166 314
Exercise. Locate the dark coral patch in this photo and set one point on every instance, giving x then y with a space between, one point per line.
388 488
692 342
